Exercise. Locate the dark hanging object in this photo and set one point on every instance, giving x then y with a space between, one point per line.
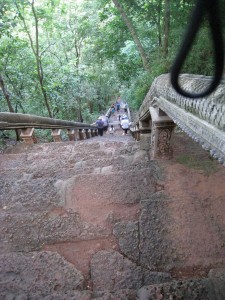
211 8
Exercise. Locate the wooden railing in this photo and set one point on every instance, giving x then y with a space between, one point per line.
27 124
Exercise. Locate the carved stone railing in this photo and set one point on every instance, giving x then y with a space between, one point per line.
28 123
203 119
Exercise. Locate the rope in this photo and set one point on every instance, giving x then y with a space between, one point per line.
211 7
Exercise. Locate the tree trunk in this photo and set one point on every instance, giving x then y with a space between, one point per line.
166 27
17 92
91 106
6 95
134 34
39 63
35 49
159 10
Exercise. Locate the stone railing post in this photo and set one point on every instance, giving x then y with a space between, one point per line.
137 133
162 129
56 134
144 133
71 134
77 135
28 136
92 132
87 133
81 134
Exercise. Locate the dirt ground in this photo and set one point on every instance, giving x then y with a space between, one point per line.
197 182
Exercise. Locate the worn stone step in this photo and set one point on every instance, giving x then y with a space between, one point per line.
97 204
25 232
211 287
69 147
38 275
12 161
166 236
112 271
37 191
192 289
68 154
99 164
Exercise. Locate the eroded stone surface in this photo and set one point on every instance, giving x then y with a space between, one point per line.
128 237
30 232
37 275
111 271
156 248
217 284
81 197
187 289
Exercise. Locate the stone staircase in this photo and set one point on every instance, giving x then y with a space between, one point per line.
94 219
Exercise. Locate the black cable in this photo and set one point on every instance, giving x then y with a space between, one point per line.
211 7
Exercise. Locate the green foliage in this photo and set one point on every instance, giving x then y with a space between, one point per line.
7 139
200 58
88 55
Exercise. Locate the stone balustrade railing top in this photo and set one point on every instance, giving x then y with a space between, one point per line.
27 123
203 119
210 108
15 120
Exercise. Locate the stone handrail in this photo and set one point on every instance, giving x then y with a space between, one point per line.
27 124
203 119
211 108
16 121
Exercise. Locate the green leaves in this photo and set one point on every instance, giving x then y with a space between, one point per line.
88 55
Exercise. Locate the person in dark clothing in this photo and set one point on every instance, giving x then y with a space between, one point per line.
100 126
117 106
125 107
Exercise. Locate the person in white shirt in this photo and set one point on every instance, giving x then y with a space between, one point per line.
111 129
125 124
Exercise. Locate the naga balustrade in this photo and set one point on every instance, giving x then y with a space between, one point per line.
203 119
27 124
